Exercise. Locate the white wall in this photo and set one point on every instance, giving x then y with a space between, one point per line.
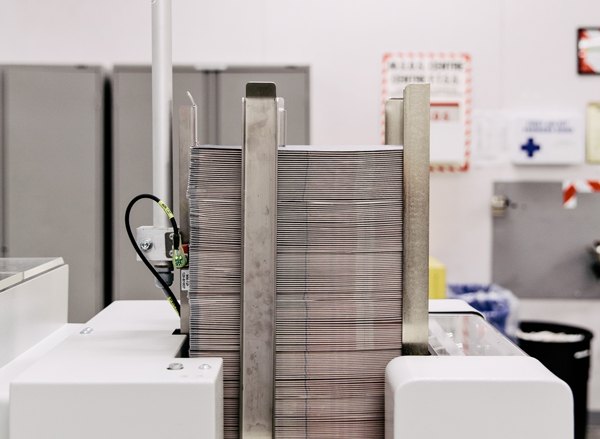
523 57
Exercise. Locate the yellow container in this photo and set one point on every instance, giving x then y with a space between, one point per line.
437 279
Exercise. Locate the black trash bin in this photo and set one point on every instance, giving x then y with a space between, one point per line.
566 356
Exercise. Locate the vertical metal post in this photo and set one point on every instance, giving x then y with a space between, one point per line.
259 230
394 121
187 138
281 122
407 123
162 108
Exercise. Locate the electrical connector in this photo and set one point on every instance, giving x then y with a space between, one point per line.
179 259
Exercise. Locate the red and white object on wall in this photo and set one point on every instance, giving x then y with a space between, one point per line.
588 51
449 74
573 187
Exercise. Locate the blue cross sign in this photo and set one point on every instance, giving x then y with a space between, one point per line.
530 147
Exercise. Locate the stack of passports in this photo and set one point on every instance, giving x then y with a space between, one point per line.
338 277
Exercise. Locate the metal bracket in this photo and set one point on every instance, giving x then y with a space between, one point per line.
259 255
155 243
188 137
407 124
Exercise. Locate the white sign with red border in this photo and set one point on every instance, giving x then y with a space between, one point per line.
449 74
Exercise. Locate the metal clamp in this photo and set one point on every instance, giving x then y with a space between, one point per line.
259 255
407 124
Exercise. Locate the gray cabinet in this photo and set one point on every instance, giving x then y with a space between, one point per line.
218 95
132 165
64 193
53 175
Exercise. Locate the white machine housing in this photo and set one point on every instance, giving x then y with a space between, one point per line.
117 376
476 384
120 375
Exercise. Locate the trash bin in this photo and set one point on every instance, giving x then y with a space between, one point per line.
498 305
565 351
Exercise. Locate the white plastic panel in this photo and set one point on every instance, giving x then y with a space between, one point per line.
32 310
112 379
475 397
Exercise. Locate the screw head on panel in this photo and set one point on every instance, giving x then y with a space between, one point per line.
175 366
146 245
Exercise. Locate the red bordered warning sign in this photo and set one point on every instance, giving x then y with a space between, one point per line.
451 100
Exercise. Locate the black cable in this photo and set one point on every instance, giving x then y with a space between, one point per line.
165 287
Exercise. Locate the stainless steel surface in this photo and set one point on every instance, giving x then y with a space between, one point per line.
542 250
156 242
499 205
184 303
193 119
146 245
53 139
394 121
292 85
187 132
259 254
281 122
162 109
416 220
188 136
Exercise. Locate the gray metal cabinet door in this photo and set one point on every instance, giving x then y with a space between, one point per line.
54 174
132 165
292 85
541 250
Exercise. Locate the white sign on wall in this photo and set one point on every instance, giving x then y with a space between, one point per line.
546 139
450 77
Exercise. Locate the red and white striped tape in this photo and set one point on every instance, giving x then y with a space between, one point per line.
573 187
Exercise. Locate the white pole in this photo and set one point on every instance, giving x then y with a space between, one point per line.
162 109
